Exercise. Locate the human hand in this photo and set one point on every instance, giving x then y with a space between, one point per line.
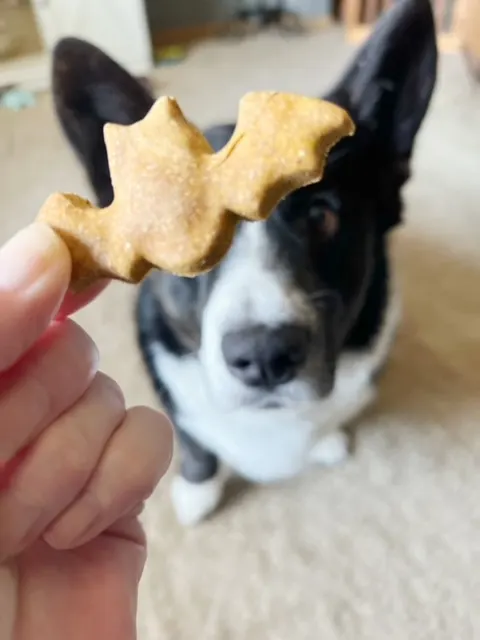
75 466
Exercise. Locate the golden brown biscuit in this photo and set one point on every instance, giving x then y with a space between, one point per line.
177 202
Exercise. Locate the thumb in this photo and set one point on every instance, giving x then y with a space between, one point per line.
35 271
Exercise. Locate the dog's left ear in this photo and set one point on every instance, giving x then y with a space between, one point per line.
390 83
89 90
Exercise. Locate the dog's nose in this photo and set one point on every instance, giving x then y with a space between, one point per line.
263 357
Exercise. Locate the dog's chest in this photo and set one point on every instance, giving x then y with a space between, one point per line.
266 445
262 445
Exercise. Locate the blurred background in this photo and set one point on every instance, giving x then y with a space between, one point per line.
157 30
386 546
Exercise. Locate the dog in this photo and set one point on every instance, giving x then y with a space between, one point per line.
264 362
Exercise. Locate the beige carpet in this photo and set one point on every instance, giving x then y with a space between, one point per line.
388 546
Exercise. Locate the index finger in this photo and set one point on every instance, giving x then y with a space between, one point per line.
35 269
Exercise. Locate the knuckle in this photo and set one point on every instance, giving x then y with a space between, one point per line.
156 437
78 348
66 531
77 458
141 480
110 393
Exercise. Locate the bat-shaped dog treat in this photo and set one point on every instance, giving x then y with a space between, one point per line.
177 202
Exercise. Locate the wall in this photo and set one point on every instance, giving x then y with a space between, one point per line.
171 14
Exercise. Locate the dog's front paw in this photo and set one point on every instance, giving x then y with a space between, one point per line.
331 450
193 502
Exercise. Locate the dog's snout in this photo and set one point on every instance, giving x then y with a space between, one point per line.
263 357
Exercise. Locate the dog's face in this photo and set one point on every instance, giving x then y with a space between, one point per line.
269 322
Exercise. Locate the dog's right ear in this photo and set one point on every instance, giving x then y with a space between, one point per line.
89 90
389 85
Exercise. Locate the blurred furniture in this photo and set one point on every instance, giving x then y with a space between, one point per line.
120 27
19 33
359 16
255 16
184 22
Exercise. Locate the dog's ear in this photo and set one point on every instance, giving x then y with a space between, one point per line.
90 89
388 87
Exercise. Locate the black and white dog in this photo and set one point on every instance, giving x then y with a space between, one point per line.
264 361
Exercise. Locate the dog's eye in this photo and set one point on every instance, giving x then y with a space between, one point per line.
324 219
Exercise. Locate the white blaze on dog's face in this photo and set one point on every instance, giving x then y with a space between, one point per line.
254 293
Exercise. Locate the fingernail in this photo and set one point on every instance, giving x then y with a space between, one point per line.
33 255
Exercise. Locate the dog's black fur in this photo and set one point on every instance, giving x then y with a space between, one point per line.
331 238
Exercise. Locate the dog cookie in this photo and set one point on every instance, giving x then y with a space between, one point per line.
176 202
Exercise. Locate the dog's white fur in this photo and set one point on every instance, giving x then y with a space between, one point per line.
250 290
259 443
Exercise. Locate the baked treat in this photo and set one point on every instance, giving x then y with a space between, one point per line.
176 202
